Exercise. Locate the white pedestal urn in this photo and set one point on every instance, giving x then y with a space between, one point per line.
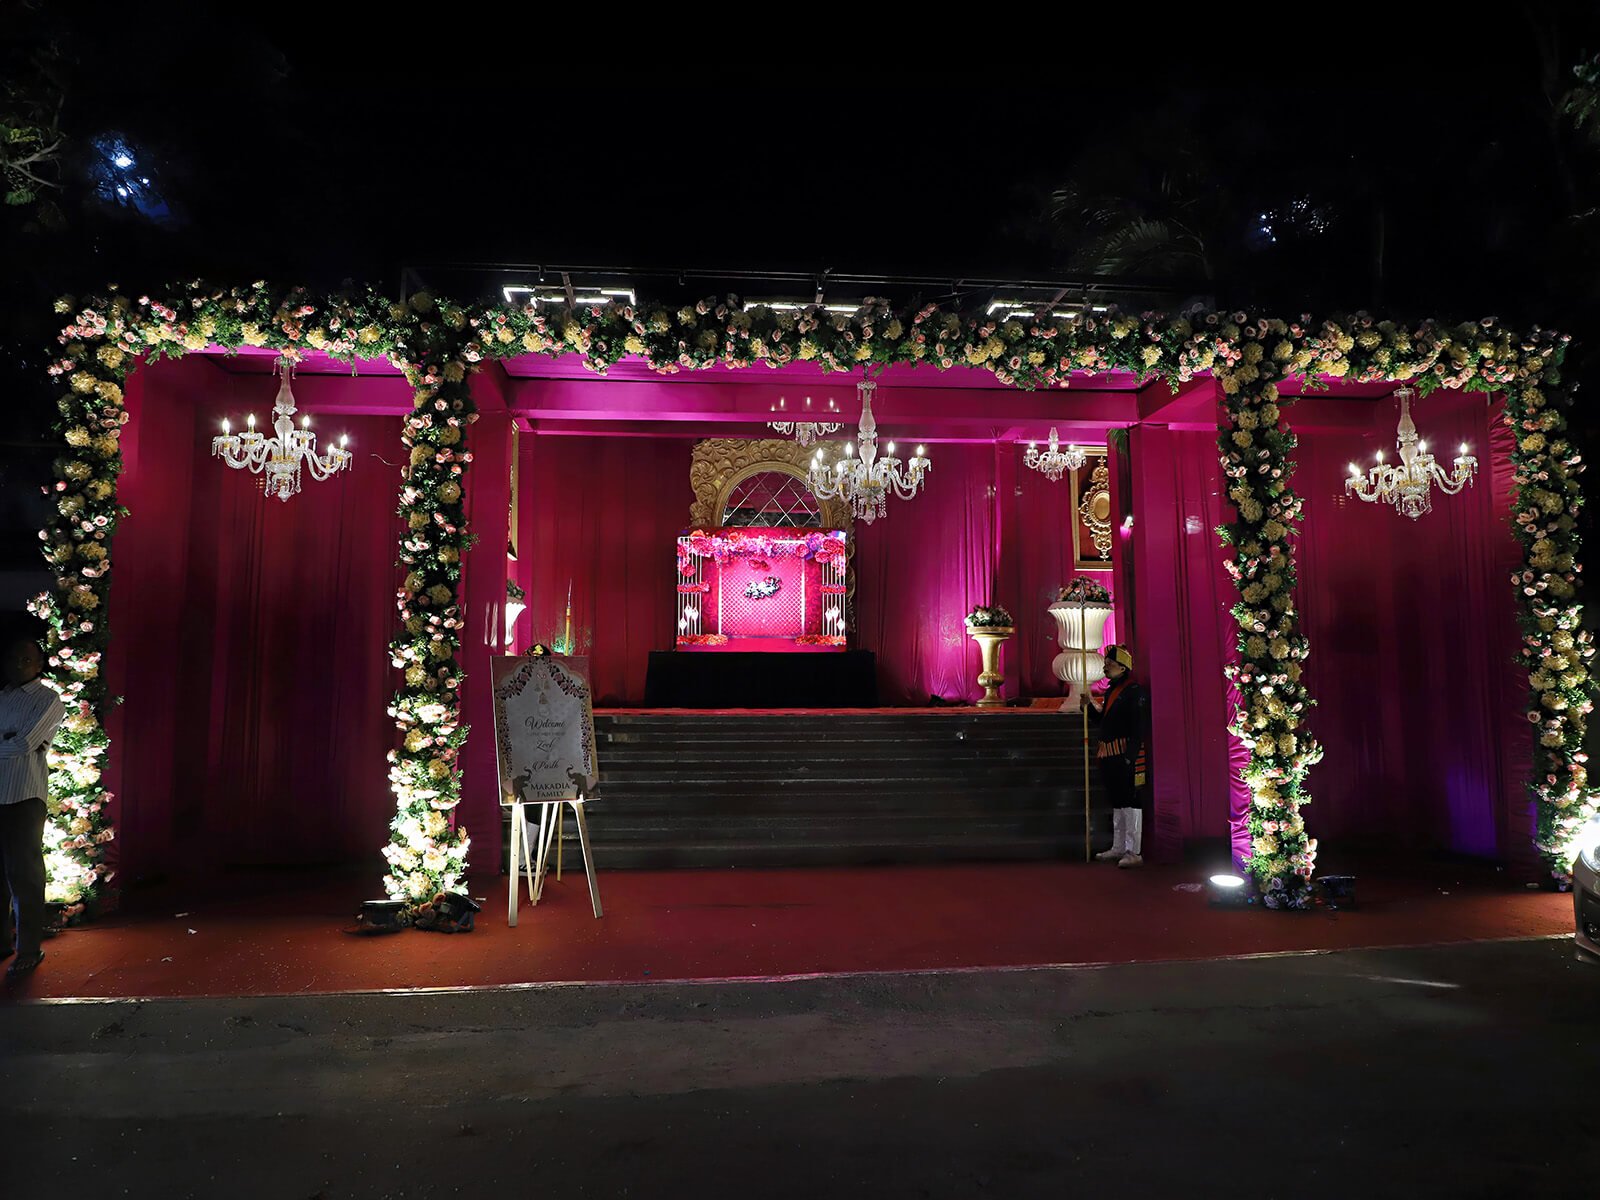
989 627
1080 632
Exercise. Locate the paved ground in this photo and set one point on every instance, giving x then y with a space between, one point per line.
1469 1071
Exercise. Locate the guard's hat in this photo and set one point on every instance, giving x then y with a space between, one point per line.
1120 654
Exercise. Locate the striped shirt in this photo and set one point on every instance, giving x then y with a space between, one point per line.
29 718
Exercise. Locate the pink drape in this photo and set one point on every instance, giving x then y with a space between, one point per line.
1412 630
1041 535
920 570
1411 627
602 514
1185 636
250 639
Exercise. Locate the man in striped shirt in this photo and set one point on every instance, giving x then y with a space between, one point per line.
30 714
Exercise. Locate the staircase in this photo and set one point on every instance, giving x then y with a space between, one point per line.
734 790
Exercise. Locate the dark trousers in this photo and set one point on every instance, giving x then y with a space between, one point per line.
22 864
1116 777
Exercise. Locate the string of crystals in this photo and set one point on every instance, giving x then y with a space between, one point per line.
867 481
1054 462
1409 486
805 432
280 457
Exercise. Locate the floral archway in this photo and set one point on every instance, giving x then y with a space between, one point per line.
438 344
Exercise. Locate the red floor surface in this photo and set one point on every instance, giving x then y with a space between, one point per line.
283 935
1040 707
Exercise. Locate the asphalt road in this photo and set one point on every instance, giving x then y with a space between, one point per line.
1471 1071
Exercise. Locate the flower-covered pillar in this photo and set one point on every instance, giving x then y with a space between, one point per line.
483 583
99 348
1557 650
427 850
1256 442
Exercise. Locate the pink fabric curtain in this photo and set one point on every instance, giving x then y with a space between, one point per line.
1041 537
250 640
920 570
1412 630
602 514
1185 636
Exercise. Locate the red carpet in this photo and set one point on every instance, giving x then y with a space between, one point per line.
285 936
1041 707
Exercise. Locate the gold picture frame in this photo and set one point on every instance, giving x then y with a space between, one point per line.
1092 533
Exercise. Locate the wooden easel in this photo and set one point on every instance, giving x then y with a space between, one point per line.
532 862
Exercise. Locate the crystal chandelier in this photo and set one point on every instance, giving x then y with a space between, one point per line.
1409 486
805 432
1055 461
867 481
279 457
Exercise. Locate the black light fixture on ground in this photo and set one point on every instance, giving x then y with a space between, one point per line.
1228 891
1338 891
379 916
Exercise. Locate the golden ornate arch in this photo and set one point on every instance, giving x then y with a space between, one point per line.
721 464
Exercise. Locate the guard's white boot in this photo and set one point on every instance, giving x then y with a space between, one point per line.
1132 825
1119 837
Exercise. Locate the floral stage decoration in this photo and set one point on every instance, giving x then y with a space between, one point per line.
1084 590
820 639
826 545
702 639
763 588
437 344
989 616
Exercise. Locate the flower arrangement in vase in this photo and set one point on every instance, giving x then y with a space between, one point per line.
1083 590
989 616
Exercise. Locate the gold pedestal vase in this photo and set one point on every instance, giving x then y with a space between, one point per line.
990 678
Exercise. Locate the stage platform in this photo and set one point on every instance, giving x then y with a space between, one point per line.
761 679
692 788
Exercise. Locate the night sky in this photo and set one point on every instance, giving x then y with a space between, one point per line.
1442 179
